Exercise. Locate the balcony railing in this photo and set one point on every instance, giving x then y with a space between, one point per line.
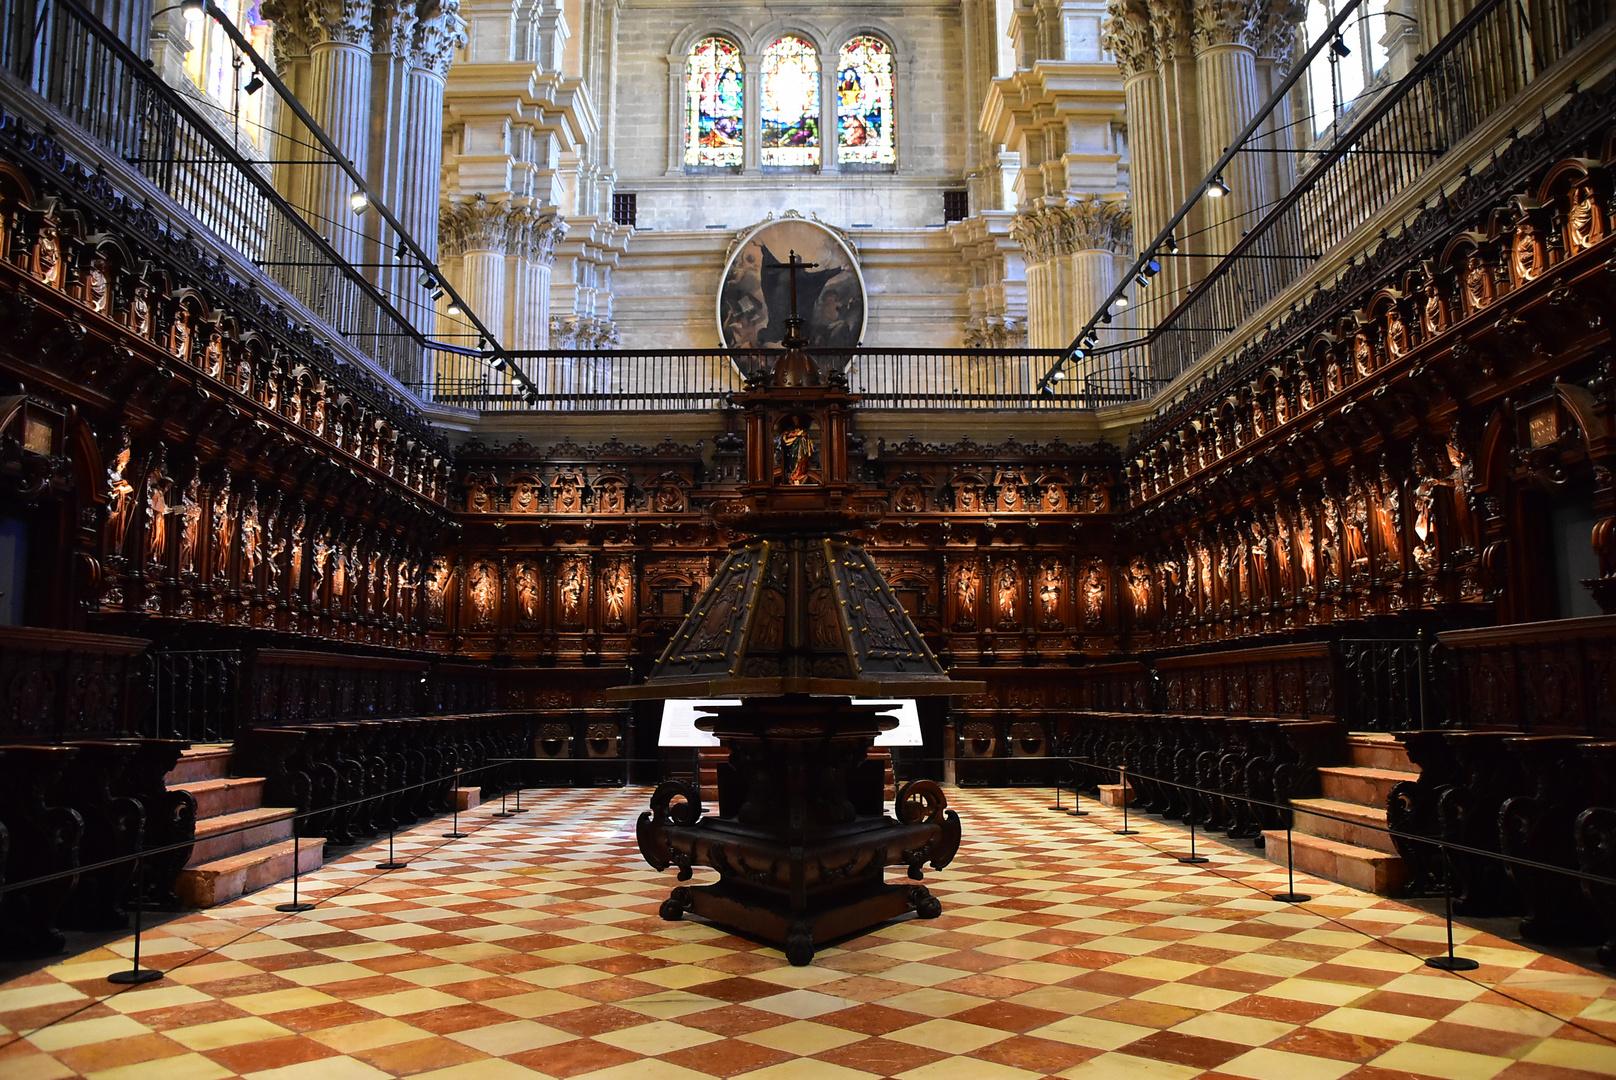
1492 55
698 379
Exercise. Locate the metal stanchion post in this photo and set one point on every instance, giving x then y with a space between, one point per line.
391 863
455 833
1192 857
1077 800
1122 780
501 812
297 870
1449 962
137 974
1290 895
1058 807
517 809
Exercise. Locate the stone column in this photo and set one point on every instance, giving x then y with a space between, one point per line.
1171 34
534 257
1226 35
436 39
339 100
1071 263
477 232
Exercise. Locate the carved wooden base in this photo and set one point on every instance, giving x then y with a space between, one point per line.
800 841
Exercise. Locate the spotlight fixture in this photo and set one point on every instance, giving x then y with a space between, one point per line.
192 7
1172 244
1151 268
437 294
499 363
254 84
1057 376
1339 47
1122 302
1078 354
453 308
1047 390
427 281
359 201
1218 188
1105 316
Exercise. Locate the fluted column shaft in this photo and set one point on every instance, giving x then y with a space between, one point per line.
1152 191
1227 76
339 84
530 306
423 160
482 285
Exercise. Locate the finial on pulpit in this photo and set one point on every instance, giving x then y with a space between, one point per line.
795 368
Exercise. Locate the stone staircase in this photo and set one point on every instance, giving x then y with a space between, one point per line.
241 845
1351 851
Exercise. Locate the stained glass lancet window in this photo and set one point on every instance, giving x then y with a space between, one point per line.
865 117
790 101
714 113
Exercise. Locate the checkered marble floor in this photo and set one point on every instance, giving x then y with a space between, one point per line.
532 948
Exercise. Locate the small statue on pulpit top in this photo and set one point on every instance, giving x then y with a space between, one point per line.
797 451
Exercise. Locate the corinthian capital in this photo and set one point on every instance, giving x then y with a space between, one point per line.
1127 34
341 22
293 30
1228 22
474 225
1100 222
1172 30
537 237
1030 229
439 31
395 26
1277 40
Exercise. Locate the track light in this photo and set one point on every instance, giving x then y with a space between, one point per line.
192 7
1057 376
1151 268
1339 47
499 363
437 294
453 308
359 201
1078 354
1122 302
1105 316
254 84
1172 245
1218 188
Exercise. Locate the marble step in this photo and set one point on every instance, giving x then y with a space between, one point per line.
200 763
225 796
1362 826
222 880
1366 787
1362 868
230 834
1379 752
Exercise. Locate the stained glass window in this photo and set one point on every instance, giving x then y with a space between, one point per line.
865 118
790 103
714 114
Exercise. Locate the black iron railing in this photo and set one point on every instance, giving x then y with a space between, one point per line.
1392 684
694 379
194 694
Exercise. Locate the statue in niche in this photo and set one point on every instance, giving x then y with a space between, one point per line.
317 571
339 575
1009 586
1282 407
405 589
223 534
1332 376
1389 516
610 499
191 526
483 590
527 593
614 589
796 452
1528 256
1363 353
1284 573
968 497
1259 420
569 495
1305 393
1433 318
120 499
1049 595
97 287
1193 579
1139 583
1582 218
1397 342
477 498
157 515
437 581
524 498
50 255
1094 594
213 356
1425 551
251 534
274 551
140 311
1259 546
1477 282
316 414
965 597
1304 547
1055 498
1355 532
908 499
182 334
572 593
1236 568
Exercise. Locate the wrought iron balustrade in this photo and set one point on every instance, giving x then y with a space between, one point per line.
193 694
695 379
1393 684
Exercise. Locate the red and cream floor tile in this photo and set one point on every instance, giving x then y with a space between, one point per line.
532 948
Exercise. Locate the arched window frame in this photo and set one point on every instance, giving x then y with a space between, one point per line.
679 89
822 159
752 43
899 96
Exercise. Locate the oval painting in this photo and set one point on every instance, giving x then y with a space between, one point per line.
755 299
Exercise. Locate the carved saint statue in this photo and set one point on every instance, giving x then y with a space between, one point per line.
796 452
120 500
317 569
1355 533
1582 221
157 515
1054 498
213 356
437 580
1282 407
1396 334
965 596
140 312
1139 583
527 593
1009 588
1477 283
1094 594
1389 516
97 287
1432 318
50 255
614 587
251 534
1425 552
340 583
1049 595
966 498
182 333
1284 573
1363 353
274 552
483 591
572 593
1259 546
669 499
477 499
191 526
569 495
224 530
1304 547
524 499
1527 254
611 499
